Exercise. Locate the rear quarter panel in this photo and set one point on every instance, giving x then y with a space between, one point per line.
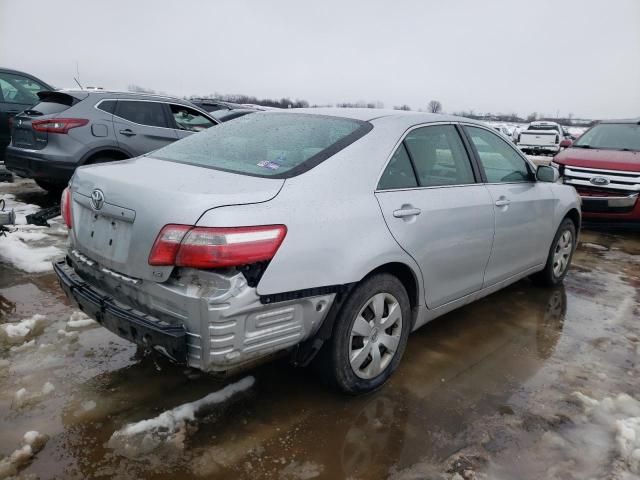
336 233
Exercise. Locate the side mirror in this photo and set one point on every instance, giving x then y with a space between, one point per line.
545 173
566 143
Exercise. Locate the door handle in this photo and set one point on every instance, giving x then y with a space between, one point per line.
406 212
502 202
127 132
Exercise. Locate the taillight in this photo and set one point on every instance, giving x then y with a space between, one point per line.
58 125
65 206
215 247
557 138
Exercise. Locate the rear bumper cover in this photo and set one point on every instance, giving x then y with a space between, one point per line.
123 321
32 164
214 320
539 148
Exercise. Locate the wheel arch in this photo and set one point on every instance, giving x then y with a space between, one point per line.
574 216
407 277
111 152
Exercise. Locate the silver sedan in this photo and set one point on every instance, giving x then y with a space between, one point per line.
324 234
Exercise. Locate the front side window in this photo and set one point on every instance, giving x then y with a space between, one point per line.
613 136
267 144
19 89
501 163
142 113
439 156
189 119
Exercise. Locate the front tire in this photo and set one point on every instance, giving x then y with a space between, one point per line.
560 255
369 336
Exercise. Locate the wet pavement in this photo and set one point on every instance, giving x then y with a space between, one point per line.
484 392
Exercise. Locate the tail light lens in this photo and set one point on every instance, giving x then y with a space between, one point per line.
557 138
215 247
65 206
58 125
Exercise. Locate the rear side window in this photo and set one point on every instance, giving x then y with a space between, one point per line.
108 106
439 156
399 172
267 144
146 113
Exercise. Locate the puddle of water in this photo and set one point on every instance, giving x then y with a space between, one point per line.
488 380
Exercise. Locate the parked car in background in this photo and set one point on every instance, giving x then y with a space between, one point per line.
18 91
604 167
213 105
330 231
70 128
226 115
541 137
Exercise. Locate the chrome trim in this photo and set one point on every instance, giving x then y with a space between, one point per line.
119 276
166 102
614 202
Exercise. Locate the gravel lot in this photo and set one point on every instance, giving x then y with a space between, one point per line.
527 383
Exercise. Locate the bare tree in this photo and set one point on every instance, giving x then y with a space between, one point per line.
402 107
434 106
532 117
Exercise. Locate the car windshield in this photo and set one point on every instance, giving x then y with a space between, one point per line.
267 144
612 136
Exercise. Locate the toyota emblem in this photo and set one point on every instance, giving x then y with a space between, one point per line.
97 199
599 181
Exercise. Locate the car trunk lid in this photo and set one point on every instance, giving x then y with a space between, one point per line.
133 199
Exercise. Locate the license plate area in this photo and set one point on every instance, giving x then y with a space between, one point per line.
23 137
103 236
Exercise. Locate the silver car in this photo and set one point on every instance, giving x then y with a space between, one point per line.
326 234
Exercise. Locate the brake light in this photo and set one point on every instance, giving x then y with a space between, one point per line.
215 247
65 206
557 138
58 125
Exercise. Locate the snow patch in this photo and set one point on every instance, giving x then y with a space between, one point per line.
32 443
17 333
169 428
79 321
301 471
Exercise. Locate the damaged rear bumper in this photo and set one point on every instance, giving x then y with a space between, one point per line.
123 321
213 320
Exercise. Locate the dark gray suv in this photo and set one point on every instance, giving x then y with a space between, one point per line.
68 128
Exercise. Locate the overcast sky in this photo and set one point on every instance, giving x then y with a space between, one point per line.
548 56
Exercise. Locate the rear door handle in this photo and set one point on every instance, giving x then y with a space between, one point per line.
127 132
502 202
406 212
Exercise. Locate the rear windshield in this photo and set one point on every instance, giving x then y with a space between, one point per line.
613 136
47 108
543 127
267 144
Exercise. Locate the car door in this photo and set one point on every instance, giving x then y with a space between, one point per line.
142 126
17 93
437 212
188 120
523 206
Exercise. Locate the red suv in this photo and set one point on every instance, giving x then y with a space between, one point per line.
604 167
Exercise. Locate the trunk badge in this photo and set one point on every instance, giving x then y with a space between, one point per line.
599 181
97 199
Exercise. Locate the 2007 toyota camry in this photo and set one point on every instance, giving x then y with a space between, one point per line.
319 231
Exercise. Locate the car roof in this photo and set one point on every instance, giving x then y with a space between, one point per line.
122 94
369 114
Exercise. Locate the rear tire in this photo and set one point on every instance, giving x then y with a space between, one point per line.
369 336
560 255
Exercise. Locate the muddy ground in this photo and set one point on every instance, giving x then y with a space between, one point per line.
489 391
